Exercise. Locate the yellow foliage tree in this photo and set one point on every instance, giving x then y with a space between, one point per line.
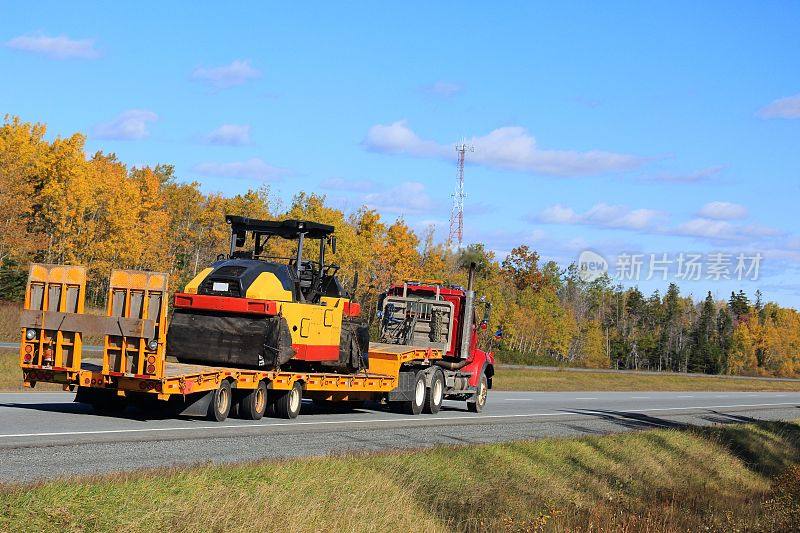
742 357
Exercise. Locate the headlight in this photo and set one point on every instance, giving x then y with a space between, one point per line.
30 334
152 345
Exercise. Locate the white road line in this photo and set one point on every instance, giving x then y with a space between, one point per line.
686 396
381 420
585 398
640 397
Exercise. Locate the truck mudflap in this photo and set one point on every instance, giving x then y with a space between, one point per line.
405 387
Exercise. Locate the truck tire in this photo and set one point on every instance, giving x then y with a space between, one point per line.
220 404
435 394
253 403
476 404
418 394
287 405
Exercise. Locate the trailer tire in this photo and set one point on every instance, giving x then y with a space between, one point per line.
435 394
288 404
416 404
220 405
476 404
253 403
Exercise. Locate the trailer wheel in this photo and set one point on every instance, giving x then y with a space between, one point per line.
253 403
415 405
287 405
435 395
220 405
476 404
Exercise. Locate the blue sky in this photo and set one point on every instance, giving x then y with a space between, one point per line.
624 128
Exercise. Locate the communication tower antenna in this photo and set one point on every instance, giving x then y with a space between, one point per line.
457 214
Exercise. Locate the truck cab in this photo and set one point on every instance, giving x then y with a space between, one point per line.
442 317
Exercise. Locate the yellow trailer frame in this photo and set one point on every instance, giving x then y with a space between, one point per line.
134 332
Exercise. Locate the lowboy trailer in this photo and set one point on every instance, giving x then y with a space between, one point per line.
413 370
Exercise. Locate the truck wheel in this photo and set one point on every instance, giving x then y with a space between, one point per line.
479 400
435 395
220 404
287 405
418 392
254 403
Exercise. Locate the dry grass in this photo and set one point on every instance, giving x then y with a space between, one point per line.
11 375
570 380
9 321
719 479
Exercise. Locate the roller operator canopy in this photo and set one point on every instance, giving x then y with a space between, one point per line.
287 229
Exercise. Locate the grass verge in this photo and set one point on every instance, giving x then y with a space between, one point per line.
742 477
566 380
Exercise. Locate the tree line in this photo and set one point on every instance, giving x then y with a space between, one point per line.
59 206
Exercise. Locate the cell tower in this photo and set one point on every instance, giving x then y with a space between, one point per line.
457 214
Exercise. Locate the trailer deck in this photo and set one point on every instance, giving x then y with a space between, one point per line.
185 378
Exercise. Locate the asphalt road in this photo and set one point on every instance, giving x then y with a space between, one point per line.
46 435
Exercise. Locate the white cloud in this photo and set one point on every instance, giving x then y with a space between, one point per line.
129 125
510 148
229 135
604 216
227 76
705 228
409 197
699 176
723 211
788 107
442 88
722 230
397 138
343 184
61 47
559 214
253 168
